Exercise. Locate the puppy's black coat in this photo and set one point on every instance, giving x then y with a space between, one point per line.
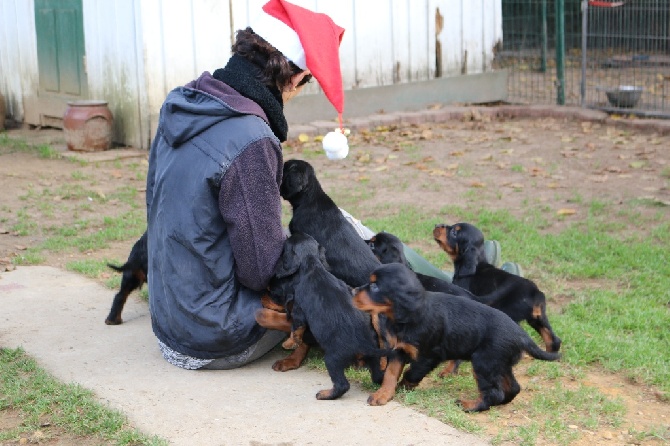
516 296
389 249
321 305
433 327
134 276
316 214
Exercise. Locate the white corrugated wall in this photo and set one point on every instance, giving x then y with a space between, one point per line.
138 50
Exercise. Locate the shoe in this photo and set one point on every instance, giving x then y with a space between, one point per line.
492 252
512 268
423 266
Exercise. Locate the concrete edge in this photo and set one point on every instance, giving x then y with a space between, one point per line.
442 114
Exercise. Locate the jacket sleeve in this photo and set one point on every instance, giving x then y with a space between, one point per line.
251 207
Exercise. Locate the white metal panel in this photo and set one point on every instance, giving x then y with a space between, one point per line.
421 37
110 30
19 74
472 35
451 35
401 50
491 30
211 35
373 35
178 45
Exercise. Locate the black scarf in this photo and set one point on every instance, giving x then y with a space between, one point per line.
242 75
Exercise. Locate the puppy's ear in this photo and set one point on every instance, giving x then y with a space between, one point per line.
288 263
322 257
469 259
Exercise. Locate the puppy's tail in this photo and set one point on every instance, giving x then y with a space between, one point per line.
120 269
536 352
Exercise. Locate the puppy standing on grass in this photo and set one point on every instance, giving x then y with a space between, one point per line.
134 276
428 328
518 297
321 304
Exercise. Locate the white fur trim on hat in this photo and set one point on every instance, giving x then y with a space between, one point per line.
281 36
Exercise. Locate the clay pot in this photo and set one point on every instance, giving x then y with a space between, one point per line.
88 126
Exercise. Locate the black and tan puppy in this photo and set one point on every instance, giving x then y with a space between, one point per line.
316 214
431 327
518 297
321 304
134 276
388 248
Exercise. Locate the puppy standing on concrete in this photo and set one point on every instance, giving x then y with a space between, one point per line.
321 305
134 276
316 214
518 297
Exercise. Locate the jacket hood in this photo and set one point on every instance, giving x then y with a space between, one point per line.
192 109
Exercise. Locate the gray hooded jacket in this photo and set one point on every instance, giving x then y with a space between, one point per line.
214 219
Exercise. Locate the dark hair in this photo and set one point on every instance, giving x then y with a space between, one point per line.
275 70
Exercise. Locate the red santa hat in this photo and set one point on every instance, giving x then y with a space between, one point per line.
310 40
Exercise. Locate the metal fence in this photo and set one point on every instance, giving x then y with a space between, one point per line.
615 56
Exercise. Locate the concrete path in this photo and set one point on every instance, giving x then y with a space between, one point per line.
57 318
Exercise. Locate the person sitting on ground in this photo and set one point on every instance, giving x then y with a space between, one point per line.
213 204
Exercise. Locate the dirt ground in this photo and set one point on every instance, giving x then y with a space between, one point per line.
561 165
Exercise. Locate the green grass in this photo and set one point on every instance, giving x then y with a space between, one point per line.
621 321
610 267
42 402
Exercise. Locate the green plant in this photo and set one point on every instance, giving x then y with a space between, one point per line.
43 401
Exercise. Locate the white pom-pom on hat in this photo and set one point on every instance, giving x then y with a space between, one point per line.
336 145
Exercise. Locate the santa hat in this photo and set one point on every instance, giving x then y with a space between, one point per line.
310 40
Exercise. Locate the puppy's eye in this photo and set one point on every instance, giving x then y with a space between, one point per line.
454 231
374 288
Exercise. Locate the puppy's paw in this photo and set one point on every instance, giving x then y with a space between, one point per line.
379 398
289 344
404 384
267 302
325 394
472 405
451 368
117 321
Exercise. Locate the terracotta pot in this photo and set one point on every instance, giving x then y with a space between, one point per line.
88 126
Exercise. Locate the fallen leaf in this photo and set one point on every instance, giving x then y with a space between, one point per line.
566 211
303 137
477 184
21 247
638 164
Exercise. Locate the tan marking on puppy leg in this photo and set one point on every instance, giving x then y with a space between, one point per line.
387 389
